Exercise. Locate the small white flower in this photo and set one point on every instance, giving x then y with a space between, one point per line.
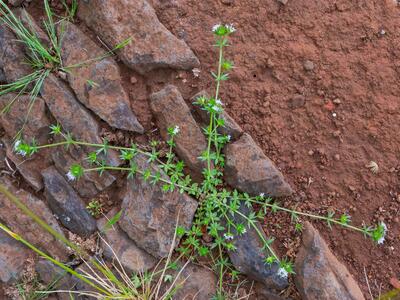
282 273
216 108
231 28
262 195
244 231
228 236
215 27
228 137
17 149
382 239
218 101
196 72
70 176
176 130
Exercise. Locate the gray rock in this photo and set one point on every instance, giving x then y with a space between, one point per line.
249 170
35 126
91 183
13 256
249 256
132 258
59 279
73 117
308 65
230 128
152 45
171 110
105 96
22 224
194 282
319 274
12 56
66 204
150 215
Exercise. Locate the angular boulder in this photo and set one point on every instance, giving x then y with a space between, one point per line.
230 128
66 204
13 256
72 115
50 274
23 225
249 170
171 110
35 125
91 183
152 45
194 282
97 84
319 274
150 215
131 257
249 256
12 56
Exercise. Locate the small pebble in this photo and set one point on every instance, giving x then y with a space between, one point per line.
308 65
337 157
284 2
311 153
227 2
334 115
336 133
133 80
337 101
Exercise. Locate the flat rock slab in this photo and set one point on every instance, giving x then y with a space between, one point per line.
249 170
97 84
91 183
230 128
132 258
35 126
194 282
171 110
319 274
152 45
22 224
150 215
249 256
72 115
13 256
66 204
50 274
12 56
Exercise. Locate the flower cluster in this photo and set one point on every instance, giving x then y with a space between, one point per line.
223 29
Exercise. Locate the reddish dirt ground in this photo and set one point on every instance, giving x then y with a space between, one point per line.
321 126
355 49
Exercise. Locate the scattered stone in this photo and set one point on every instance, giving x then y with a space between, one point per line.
319 275
231 127
171 110
264 293
308 64
97 84
249 256
297 101
131 257
150 215
13 256
337 101
35 126
311 152
249 170
152 45
66 204
337 157
22 224
195 282
133 80
73 117
12 56
91 183
16 2
53 275
227 2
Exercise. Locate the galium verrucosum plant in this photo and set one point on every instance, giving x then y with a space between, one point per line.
219 206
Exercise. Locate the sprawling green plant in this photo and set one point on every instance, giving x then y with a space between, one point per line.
219 206
44 58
